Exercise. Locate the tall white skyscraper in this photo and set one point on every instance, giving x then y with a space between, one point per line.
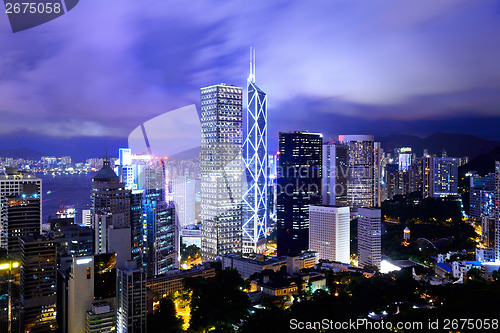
329 233
369 237
80 293
255 198
221 170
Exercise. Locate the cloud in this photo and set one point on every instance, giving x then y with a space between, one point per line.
108 66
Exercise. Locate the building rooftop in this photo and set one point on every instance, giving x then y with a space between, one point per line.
266 261
105 173
444 267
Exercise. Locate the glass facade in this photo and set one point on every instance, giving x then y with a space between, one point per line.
221 170
255 197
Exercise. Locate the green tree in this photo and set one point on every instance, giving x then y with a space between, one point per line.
217 302
164 319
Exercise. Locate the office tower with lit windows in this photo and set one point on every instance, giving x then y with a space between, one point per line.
404 158
445 177
497 210
482 196
415 175
329 232
125 168
440 176
23 216
136 225
427 175
369 237
109 196
166 239
221 170
110 213
299 185
361 181
184 195
38 283
131 299
378 153
20 207
255 196
335 171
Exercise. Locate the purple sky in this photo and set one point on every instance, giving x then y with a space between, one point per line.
376 67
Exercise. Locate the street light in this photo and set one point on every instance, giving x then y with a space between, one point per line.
9 266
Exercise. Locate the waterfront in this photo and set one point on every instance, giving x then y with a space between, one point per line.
72 189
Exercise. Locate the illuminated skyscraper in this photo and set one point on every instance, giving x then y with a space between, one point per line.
20 207
299 185
363 171
255 197
221 170
38 283
329 230
184 194
131 299
497 210
445 172
440 176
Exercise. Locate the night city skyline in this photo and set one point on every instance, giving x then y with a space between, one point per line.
336 67
264 166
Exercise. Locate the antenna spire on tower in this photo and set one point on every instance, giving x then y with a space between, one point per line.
251 77
253 60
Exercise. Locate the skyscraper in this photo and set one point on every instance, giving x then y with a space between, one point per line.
440 176
136 225
369 237
131 299
109 196
166 239
20 207
221 170
38 283
111 211
482 196
184 194
255 197
329 230
299 185
497 210
362 171
335 172
80 293
445 177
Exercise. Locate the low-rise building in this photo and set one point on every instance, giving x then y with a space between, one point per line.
246 267
307 259
483 255
101 319
290 284
163 285
441 269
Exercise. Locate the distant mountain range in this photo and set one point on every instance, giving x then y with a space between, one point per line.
456 145
480 151
22 153
483 164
